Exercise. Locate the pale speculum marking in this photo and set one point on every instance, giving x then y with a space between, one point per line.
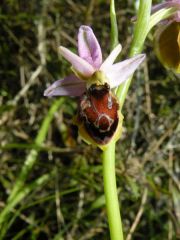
106 118
110 103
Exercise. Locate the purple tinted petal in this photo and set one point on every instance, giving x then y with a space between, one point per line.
88 47
120 72
69 86
159 6
167 4
79 64
112 57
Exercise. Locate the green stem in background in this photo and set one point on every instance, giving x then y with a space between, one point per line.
139 36
32 156
20 196
30 161
114 27
111 196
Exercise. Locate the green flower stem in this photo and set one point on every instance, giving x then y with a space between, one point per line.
114 27
111 196
108 156
144 24
140 34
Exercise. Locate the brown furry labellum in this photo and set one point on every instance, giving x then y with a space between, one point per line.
98 110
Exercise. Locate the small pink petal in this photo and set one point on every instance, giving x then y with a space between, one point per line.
111 58
69 86
79 64
88 47
120 72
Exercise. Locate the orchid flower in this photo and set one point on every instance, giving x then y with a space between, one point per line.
99 118
167 36
88 63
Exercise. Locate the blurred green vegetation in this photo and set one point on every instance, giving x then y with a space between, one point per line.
63 195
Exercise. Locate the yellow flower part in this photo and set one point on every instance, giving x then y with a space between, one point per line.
167 45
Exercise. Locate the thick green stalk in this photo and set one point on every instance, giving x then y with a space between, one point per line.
111 196
139 36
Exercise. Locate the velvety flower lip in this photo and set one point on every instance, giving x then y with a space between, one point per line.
88 63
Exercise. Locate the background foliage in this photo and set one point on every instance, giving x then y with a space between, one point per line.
70 203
